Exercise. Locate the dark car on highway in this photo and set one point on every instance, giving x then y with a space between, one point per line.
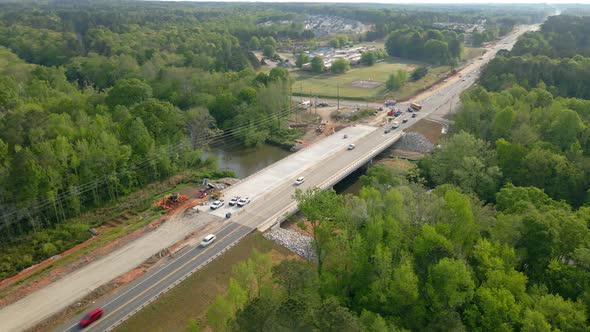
414 115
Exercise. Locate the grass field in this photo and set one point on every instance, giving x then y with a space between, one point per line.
472 52
430 129
326 84
191 298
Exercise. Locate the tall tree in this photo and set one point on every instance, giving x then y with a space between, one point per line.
128 92
449 284
322 208
317 65
340 66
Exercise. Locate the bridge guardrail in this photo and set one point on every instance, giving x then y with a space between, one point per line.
175 283
281 215
292 208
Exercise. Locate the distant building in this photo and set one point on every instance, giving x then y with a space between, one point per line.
352 55
458 27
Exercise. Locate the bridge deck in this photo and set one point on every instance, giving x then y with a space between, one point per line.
289 168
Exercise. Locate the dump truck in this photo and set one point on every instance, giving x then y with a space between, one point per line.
416 106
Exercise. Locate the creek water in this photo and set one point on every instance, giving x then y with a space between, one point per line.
247 161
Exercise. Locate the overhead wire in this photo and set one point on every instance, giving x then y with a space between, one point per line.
79 190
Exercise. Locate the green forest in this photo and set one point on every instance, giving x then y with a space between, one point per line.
488 233
535 114
400 257
100 98
432 46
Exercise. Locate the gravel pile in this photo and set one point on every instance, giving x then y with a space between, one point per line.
414 142
292 240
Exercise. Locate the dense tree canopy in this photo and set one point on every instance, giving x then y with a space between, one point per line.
535 119
561 36
399 257
431 45
98 100
499 242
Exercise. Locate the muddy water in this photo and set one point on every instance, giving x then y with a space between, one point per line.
351 184
247 161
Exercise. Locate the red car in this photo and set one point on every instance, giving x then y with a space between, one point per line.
92 316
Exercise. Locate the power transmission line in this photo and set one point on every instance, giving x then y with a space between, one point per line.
183 145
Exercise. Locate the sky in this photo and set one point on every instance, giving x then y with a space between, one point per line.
407 1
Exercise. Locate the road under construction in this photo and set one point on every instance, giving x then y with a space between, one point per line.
271 190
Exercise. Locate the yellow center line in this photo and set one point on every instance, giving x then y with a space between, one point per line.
240 226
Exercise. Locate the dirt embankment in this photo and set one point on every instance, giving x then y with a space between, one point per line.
172 220
432 130
24 285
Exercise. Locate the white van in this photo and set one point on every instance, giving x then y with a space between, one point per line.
208 239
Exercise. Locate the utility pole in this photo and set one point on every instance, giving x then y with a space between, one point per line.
316 105
311 103
338 94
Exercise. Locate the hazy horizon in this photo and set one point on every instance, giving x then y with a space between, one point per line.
400 2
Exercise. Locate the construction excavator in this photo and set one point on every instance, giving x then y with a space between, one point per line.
171 201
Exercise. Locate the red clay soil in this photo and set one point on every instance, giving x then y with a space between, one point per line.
6 282
57 272
295 226
394 162
130 276
58 319
60 271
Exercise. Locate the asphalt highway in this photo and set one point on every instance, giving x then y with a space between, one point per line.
268 209
447 93
141 291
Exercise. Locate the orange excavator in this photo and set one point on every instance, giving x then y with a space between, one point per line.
171 201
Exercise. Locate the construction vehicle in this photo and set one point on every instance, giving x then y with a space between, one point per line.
170 201
416 106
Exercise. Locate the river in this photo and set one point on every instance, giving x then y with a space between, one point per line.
246 161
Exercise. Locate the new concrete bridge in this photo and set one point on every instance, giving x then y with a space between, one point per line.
322 164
